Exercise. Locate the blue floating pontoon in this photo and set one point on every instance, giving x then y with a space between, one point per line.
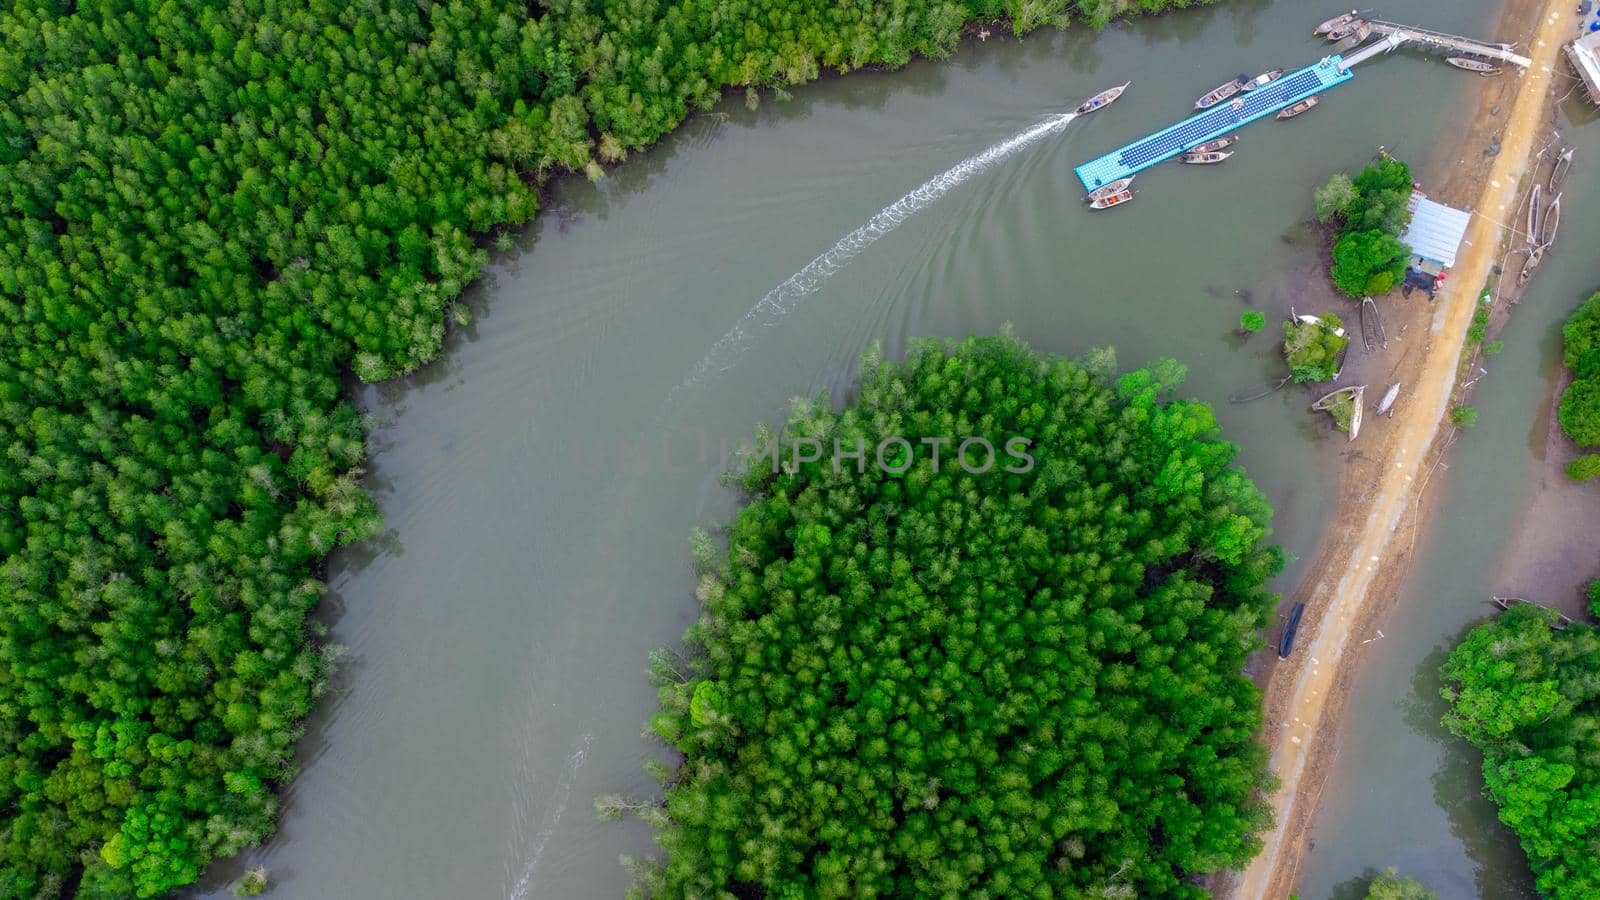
1213 123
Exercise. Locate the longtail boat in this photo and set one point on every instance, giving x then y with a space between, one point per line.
1358 28
1535 215
1298 108
1335 22
1552 220
1559 173
1356 393
1220 93
1196 158
1117 199
1473 65
1103 99
1286 642
1264 79
1221 143
1115 187
1387 404
1534 257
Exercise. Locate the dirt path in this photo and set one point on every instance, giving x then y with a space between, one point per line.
1362 560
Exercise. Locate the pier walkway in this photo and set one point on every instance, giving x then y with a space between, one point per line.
1213 123
1448 42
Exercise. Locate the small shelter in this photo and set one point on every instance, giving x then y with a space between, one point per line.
1434 236
1584 54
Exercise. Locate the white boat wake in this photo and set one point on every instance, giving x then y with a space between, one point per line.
783 299
561 797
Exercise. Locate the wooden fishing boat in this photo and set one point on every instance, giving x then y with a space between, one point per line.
1534 257
1286 642
1535 214
1473 65
1559 173
1103 99
1299 108
1552 220
1264 79
1115 187
1357 28
1221 143
1117 199
1317 320
1335 22
1387 404
1196 158
1356 393
1220 93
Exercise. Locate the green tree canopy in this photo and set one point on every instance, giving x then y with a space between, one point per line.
1368 263
1528 695
1392 886
1021 681
1312 348
1372 212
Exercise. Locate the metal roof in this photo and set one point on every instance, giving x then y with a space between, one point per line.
1436 230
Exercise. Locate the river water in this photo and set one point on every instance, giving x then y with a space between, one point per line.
497 631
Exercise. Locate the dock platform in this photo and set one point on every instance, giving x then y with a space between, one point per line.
1213 123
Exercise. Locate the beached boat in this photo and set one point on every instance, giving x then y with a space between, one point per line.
1335 22
1298 108
1473 65
1552 220
1221 92
1196 158
1356 393
1264 79
1317 320
1559 173
1534 257
1115 187
1535 214
1221 143
1117 199
1103 99
1387 404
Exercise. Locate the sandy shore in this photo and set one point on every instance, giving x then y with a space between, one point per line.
1368 547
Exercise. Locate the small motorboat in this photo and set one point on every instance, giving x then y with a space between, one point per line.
1299 108
1358 28
1535 214
1473 65
1386 405
1196 158
1264 79
1103 99
1559 173
1117 199
1221 143
1552 221
1335 22
1115 187
1221 92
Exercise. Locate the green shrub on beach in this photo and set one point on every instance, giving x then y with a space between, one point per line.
1312 348
1372 212
1584 467
1251 322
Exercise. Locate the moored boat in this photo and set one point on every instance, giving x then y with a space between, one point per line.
1117 199
1103 99
1115 187
1220 93
1298 108
1356 27
1534 257
1335 22
1535 214
1264 79
1559 173
1220 143
1197 158
1552 221
1473 65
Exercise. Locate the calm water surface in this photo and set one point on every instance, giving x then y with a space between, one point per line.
497 631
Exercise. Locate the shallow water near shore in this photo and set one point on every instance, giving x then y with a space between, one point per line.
534 553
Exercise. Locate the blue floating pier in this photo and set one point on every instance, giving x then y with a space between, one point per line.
1213 123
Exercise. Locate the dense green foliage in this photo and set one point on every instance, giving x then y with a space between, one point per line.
1464 416
1312 348
1252 321
210 213
946 683
1585 467
1528 696
1392 886
1371 212
1580 404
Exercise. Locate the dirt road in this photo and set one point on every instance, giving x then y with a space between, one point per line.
1354 572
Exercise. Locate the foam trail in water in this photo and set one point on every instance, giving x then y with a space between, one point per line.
561 797
782 300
